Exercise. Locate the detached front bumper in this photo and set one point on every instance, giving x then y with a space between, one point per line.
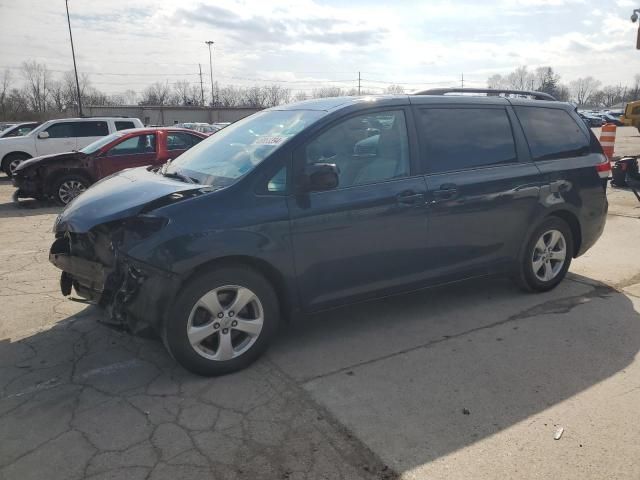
134 295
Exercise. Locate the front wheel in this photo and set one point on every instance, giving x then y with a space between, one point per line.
222 321
69 187
546 257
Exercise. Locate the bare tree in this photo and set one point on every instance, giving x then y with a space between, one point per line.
157 93
583 88
394 89
57 94
183 93
37 81
633 92
254 97
5 87
130 97
276 95
521 79
300 96
327 92
612 94
496 82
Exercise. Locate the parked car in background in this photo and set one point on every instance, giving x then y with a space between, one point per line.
278 214
206 129
608 118
57 136
590 119
63 176
19 129
220 125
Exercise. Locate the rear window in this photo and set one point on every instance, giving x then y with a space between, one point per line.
552 133
120 125
462 138
91 129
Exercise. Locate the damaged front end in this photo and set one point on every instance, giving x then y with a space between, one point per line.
95 264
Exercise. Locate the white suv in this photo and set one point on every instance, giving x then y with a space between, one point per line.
58 136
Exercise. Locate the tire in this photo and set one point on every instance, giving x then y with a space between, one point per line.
13 160
69 186
214 324
538 270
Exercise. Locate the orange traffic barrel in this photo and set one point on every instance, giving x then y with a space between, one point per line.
608 139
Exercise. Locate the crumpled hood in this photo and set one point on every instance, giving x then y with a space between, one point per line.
122 195
46 159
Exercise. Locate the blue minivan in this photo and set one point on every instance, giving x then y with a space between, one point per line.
325 202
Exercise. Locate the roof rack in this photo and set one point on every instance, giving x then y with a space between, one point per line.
488 91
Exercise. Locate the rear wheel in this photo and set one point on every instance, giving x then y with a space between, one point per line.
222 321
11 162
546 257
68 187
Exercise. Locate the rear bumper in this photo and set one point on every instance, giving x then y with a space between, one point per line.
134 295
593 227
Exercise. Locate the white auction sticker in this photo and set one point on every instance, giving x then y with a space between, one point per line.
269 140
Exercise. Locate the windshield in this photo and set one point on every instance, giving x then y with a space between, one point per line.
238 148
98 144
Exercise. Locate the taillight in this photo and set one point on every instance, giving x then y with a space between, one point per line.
604 169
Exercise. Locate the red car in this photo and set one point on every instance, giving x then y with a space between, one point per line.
64 176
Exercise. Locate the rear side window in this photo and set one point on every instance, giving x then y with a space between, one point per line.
91 129
120 125
552 133
462 138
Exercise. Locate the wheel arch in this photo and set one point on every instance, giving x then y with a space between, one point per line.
5 159
574 224
55 176
270 272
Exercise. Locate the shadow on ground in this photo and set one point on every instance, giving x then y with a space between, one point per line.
424 375
80 399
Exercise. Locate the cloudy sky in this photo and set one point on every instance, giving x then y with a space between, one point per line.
304 44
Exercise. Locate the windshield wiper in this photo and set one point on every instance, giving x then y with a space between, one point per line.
179 176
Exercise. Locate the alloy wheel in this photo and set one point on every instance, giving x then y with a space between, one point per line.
225 322
549 255
69 190
14 164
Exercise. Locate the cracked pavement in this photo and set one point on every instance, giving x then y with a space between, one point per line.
468 381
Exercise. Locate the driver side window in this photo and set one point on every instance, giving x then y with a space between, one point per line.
368 148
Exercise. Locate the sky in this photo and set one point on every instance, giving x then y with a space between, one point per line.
305 44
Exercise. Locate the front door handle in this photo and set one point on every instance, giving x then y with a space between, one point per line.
410 197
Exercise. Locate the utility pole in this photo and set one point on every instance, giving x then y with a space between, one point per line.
634 19
462 79
73 54
201 87
209 43
358 83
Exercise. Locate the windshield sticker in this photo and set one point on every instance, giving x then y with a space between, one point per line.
269 140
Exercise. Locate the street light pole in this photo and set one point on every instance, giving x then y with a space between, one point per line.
210 42
73 54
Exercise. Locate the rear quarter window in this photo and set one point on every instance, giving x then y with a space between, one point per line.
552 133
120 125
91 129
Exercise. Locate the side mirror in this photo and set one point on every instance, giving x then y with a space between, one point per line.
43 135
320 177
